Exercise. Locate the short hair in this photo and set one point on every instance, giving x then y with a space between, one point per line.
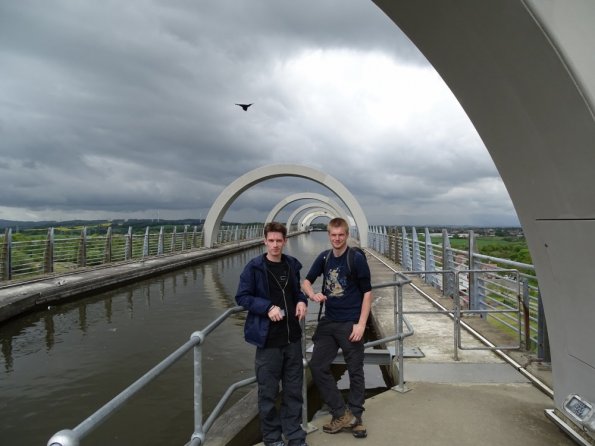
275 226
338 222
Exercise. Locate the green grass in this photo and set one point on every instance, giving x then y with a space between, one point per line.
512 248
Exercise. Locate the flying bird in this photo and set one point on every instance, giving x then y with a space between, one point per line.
244 106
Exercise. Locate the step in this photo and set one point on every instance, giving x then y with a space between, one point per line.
376 356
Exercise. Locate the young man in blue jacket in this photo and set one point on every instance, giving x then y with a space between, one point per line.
269 289
347 297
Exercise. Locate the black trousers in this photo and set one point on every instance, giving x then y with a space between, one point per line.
328 338
273 366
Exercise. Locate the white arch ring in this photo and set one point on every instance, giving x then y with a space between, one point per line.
231 192
304 196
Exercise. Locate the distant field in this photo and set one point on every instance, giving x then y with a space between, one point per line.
512 248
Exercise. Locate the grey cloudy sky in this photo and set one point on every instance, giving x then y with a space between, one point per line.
119 109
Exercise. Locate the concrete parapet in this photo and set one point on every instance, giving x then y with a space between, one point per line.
20 298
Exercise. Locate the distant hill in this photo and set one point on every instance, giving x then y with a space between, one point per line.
25 224
22 225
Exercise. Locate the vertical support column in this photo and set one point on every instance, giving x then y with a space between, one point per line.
526 312
7 255
398 248
430 264
406 254
185 238
160 242
193 239
387 241
146 243
473 303
48 261
128 247
390 244
107 250
83 248
174 236
448 264
416 262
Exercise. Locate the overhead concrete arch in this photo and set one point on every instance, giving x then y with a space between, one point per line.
235 189
524 72
303 196
307 219
318 206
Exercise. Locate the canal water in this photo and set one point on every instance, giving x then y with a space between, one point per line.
59 365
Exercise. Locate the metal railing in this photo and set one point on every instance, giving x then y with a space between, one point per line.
482 282
399 320
72 437
29 255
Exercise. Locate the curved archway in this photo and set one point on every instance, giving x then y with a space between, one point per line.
523 71
310 217
231 192
318 206
303 196
312 207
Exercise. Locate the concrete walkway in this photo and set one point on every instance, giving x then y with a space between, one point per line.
479 399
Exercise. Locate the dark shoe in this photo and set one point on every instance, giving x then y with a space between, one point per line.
297 443
337 424
275 443
358 429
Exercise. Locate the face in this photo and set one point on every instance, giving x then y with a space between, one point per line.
274 242
338 238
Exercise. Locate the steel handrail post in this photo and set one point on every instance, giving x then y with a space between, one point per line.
526 313
199 337
457 314
304 383
399 291
198 426
396 369
308 427
7 254
398 304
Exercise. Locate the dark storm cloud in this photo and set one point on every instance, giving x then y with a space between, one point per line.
116 109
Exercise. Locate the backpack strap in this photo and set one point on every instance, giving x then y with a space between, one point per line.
326 256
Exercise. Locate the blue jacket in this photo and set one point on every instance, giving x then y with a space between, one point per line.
253 295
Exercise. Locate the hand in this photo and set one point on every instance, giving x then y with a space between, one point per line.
357 333
318 297
275 313
300 310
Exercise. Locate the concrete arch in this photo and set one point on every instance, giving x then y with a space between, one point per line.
235 189
524 72
318 206
303 196
310 217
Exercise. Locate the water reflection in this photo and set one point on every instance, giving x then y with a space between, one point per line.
59 365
